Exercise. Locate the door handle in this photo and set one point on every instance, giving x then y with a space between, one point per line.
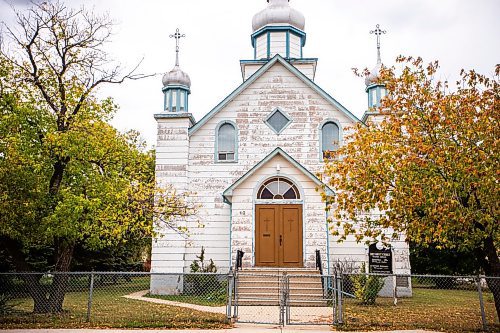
281 240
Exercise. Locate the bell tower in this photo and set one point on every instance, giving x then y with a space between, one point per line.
375 89
172 157
279 30
176 83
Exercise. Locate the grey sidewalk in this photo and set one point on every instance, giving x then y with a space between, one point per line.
238 329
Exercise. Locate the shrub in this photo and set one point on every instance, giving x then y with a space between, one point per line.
200 283
367 287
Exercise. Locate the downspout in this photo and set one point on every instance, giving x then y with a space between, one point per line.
327 241
230 229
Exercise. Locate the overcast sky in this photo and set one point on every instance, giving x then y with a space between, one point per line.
458 33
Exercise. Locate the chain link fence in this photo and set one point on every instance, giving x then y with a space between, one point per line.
113 300
207 300
433 302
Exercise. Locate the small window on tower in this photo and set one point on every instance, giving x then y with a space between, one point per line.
373 94
182 101
174 101
167 100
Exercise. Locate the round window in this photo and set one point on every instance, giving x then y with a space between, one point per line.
277 189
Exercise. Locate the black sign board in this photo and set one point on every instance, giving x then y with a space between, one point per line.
379 260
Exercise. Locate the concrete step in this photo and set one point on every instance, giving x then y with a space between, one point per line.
261 286
267 290
274 285
293 303
279 271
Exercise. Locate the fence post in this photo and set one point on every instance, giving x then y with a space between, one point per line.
334 297
481 303
235 310
395 289
340 310
91 291
282 297
229 294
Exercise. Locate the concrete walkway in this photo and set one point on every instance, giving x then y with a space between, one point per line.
237 329
139 296
250 314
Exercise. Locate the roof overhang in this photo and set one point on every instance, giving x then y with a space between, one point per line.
228 193
256 75
171 115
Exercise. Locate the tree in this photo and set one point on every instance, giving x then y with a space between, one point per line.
431 167
433 259
67 177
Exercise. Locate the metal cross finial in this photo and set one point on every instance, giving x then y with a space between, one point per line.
177 37
378 32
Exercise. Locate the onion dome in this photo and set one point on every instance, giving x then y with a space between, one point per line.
176 77
278 12
374 75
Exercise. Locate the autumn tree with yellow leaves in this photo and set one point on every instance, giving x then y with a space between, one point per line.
431 166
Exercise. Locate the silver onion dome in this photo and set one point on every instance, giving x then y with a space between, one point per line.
374 75
176 77
278 12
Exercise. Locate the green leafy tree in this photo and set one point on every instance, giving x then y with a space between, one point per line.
431 166
67 177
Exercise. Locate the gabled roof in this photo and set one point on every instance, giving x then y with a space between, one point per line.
278 151
259 73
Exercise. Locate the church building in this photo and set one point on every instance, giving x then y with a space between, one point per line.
250 164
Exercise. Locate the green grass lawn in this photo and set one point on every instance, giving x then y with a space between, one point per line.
110 309
432 309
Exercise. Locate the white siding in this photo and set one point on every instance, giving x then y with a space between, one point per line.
295 46
307 69
249 69
261 46
171 169
278 43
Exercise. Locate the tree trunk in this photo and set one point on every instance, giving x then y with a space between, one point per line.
57 176
52 299
491 266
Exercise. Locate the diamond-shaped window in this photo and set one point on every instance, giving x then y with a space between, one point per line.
278 121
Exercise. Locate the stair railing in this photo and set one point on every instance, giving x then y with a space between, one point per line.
239 260
319 265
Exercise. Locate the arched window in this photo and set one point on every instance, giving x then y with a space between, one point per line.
278 188
226 142
330 138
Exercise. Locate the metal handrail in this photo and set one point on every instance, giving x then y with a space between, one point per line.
239 260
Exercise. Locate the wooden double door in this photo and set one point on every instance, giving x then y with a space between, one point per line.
278 235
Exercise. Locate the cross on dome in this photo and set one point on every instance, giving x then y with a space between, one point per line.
177 35
176 76
378 32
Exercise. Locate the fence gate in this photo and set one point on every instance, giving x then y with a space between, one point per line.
284 299
258 298
311 299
